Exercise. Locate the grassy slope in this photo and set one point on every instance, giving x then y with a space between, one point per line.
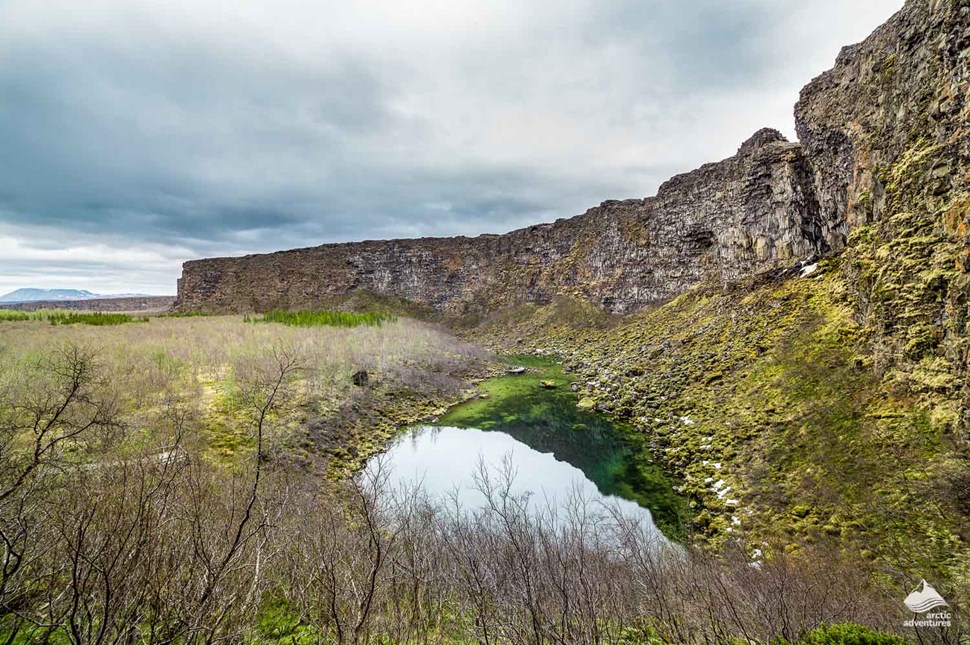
816 432
837 404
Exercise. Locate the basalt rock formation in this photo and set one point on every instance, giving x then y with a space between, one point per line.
897 97
723 221
829 402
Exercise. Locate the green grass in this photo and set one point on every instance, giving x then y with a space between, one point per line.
328 318
97 319
66 317
187 314
10 315
845 634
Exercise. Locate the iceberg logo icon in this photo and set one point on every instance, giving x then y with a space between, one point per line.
924 598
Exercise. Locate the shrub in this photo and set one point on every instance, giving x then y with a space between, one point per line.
847 634
98 319
325 318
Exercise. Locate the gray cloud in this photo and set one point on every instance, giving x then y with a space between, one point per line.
140 134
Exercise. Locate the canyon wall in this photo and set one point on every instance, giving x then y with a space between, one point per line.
722 221
770 205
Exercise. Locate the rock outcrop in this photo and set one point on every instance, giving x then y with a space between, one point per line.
771 204
887 136
832 401
719 222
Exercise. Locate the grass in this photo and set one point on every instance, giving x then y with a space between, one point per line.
324 318
66 317
11 315
97 318
201 362
846 634
185 314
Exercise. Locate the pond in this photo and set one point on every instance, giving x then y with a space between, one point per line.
554 448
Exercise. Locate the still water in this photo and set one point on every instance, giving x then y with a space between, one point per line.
555 449
448 461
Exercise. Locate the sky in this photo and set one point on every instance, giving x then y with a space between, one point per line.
137 134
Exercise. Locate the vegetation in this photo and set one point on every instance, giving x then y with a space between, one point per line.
12 315
96 318
185 314
785 423
311 318
65 317
116 535
169 483
846 634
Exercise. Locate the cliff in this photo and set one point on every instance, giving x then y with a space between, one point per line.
899 95
724 220
832 401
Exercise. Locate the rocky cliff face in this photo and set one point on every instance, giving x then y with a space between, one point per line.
887 137
722 221
771 204
904 86
834 404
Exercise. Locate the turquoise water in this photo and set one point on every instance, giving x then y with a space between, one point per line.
555 449
449 462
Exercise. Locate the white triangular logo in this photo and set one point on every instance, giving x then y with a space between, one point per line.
924 598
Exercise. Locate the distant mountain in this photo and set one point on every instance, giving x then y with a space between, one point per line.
32 295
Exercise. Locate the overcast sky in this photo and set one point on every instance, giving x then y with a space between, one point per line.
136 134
